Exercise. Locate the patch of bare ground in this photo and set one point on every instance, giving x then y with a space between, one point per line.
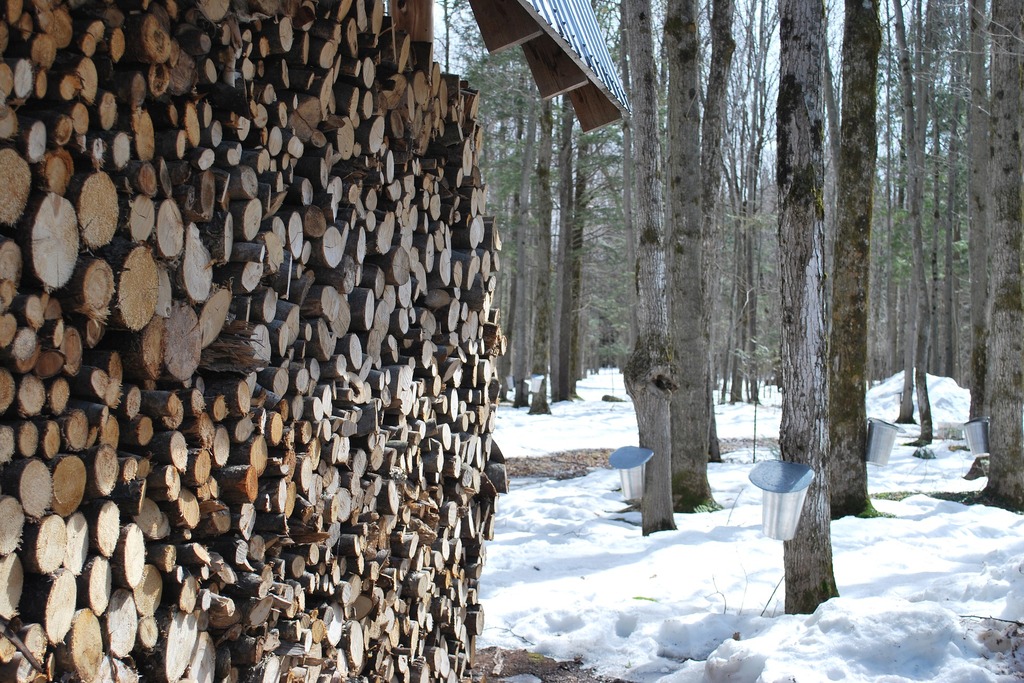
494 664
563 465
582 461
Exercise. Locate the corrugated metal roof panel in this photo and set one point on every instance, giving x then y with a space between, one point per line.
575 23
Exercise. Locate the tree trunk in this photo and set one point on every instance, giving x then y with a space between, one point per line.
690 488
561 370
722 48
649 374
935 296
862 39
915 126
923 342
1005 377
800 170
978 189
751 352
907 318
950 358
580 198
627 167
523 269
542 286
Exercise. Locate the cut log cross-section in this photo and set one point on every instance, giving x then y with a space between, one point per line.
51 240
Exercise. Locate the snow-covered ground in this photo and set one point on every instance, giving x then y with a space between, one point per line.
569 574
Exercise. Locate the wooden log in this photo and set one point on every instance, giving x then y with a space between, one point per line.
11 585
121 623
50 600
29 481
16 177
137 280
94 198
50 240
129 558
44 544
69 479
77 552
81 651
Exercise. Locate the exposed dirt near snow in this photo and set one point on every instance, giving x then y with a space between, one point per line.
577 463
494 664
564 465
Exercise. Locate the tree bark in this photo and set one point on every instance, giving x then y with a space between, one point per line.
978 191
542 285
1005 380
951 289
800 173
628 184
580 199
690 488
524 267
855 176
561 371
915 127
712 125
649 373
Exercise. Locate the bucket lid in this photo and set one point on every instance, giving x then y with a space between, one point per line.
978 419
778 476
883 422
628 457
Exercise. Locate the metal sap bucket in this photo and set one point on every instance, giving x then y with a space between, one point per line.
535 381
881 439
976 431
631 462
784 487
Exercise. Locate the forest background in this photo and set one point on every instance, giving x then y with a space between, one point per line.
776 247
547 179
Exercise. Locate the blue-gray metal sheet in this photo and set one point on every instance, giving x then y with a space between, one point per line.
575 24
628 457
778 476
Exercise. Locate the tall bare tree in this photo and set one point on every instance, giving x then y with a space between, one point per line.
649 373
712 168
627 164
690 407
915 122
544 207
800 177
855 177
561 332
1005 381
977 240
521 279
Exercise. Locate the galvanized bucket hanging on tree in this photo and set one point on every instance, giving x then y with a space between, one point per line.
976 432
784 487
631 461
881 439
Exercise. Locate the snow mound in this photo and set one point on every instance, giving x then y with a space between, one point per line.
874 639
950 402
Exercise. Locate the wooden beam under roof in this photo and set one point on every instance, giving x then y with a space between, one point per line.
561 39
593 108
504 24
554 72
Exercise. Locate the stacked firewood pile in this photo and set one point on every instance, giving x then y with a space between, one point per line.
246 345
